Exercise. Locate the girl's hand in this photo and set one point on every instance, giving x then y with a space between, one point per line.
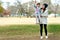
35 1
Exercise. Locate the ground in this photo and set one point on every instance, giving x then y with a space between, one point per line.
51 37
15 33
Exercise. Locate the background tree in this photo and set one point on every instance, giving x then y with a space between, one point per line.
8 4
56 7
1 8
20 8
29 8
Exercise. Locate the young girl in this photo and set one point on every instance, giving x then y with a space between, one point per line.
43 20
37 12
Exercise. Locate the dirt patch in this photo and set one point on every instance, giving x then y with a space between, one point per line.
51 37
17 20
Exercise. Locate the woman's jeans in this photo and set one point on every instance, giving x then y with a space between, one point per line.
41 29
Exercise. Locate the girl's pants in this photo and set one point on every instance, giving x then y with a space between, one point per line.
45 28
37 18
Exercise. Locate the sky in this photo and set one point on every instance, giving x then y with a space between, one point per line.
23 1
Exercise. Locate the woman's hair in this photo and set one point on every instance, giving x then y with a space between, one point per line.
38 3
46 5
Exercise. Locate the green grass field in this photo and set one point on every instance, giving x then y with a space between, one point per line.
54 28
27 29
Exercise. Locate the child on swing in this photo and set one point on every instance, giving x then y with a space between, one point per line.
37 12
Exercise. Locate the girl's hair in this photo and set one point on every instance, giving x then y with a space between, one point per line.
46 5
38 3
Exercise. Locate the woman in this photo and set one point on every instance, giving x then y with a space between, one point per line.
43 19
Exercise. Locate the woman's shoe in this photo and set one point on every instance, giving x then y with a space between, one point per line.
46 37
41 37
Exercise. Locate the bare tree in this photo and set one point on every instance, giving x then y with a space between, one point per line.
8 4
20 7
56 6
56 10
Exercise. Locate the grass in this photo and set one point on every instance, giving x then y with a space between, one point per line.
19 30
55 28
26 29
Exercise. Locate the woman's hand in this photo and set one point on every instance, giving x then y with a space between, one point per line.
40 15
43 16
